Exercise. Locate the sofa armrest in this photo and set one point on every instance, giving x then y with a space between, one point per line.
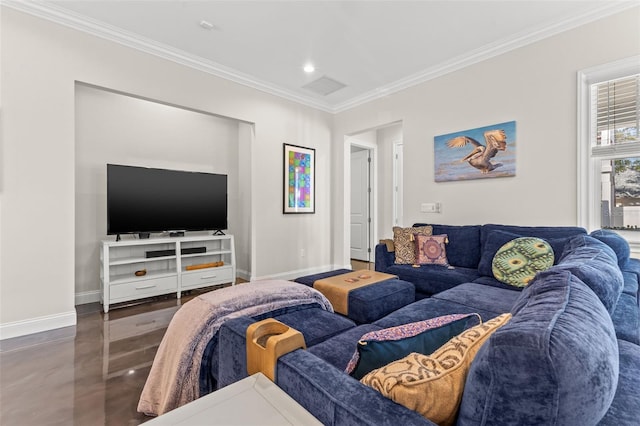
334 397
232 344
384 258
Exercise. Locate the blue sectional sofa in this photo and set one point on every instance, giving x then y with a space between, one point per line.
570 354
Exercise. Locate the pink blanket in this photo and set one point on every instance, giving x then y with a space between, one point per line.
174 377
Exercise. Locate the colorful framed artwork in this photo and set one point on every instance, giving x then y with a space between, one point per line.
299 179
481 153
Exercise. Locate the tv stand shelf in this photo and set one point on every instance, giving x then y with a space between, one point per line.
120 260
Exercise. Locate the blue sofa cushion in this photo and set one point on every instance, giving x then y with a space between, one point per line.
596 265
232 340
464 243
618 244
315 324
430 308
630 284
369 303
477 296
338 350
431 279
626 319
544 232
625 408
378 348
492 282
535 369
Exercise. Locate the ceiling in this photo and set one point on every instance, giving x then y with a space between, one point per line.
373 48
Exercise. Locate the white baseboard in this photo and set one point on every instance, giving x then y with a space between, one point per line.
37 325
290 275
85 297
245 275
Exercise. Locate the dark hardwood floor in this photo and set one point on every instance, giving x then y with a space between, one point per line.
356 265
90 374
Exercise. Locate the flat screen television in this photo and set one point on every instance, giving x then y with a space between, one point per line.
144 200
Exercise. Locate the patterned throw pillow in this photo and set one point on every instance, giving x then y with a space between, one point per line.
432 384
430 249
519 260
404 244
378 348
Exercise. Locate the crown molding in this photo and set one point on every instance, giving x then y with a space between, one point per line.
79 22
108 32
489 51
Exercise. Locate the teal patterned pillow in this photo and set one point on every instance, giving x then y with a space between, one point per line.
519 260
378 348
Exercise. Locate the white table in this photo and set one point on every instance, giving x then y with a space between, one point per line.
252 401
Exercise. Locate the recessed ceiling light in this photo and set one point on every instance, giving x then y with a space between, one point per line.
206 25
309 68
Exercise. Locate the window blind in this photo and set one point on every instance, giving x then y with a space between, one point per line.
615 106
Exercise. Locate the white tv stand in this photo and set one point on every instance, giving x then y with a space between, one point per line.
167 273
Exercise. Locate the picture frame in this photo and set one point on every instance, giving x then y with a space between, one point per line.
481 153
299 190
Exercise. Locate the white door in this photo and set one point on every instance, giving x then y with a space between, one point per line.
360 205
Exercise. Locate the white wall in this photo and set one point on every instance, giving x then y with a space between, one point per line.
40 64
118 129
535 86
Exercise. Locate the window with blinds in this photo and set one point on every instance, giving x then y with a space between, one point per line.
615 111
615 145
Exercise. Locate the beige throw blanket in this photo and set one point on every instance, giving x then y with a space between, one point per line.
174 377
337 288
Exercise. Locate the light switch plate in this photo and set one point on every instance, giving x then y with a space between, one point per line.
430 207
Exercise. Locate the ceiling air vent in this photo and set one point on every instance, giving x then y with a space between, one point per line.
324 86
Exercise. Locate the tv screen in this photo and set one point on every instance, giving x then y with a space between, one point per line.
141 199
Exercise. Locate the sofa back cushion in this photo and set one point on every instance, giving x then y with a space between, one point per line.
555 362
596 265
617 243
463 249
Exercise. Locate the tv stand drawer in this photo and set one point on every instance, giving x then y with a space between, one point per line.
143 288
205 277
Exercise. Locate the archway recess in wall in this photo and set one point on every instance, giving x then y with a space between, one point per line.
120 128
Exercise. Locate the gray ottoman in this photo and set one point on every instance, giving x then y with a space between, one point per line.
370 303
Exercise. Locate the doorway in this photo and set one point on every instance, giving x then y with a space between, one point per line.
372 189
360 204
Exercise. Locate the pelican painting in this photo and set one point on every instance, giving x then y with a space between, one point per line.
461 155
